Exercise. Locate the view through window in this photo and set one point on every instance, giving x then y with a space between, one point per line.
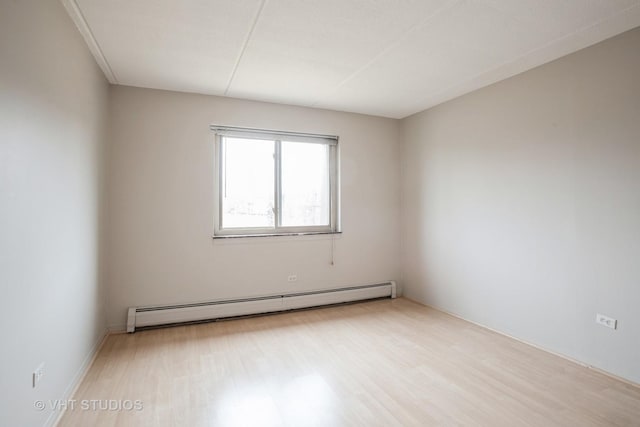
270 183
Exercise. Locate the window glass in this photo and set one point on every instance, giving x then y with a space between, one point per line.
248 183
306 198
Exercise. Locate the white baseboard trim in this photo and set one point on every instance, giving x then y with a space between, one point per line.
536 346
72 388
117 329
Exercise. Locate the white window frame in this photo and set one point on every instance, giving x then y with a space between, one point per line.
278 137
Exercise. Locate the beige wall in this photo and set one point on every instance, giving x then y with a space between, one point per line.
521 205
160 204
52 116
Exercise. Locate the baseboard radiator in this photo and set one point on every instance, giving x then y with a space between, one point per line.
140 317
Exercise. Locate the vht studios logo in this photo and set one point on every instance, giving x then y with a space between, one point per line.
89 405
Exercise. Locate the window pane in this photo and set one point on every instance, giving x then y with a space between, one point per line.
305 184
248 183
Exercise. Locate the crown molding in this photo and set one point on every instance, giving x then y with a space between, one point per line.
78 18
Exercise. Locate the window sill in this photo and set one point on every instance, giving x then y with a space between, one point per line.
310 233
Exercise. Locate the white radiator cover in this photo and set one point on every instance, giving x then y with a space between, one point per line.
139 317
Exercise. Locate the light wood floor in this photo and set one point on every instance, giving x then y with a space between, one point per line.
380 363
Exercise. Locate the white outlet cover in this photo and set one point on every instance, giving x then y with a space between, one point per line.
38 373
607 321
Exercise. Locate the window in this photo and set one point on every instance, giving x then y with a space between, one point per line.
274 183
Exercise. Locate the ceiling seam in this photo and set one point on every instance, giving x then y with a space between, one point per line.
391 45
528 53
81 23
244 46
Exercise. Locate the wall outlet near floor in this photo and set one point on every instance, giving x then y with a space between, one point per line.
607 321
38 374
292 278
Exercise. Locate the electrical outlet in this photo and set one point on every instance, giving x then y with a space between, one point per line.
38 374
292 278
603 320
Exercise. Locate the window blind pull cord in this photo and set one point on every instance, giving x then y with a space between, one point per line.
333 247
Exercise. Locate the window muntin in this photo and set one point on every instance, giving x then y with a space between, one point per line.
270 183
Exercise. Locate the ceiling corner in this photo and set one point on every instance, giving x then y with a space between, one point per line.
78 18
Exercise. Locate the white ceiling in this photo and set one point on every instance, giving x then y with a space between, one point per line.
389 58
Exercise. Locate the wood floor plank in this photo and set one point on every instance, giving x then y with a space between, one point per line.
379 363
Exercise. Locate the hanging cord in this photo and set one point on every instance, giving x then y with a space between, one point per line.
333 248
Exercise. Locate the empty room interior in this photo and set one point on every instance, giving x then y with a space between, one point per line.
320 213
